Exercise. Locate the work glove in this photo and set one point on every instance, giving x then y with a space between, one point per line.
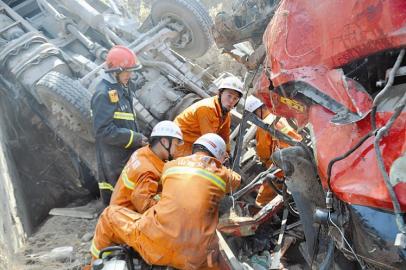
228 161
139 140
225 204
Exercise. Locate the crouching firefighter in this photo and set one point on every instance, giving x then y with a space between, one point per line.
180 230
210 115
114 122
267 144
139 185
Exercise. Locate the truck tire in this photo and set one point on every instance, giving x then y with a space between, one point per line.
68 101
186 101
191 14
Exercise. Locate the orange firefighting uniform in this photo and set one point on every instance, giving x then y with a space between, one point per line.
139 186
266 145
204 116
179 231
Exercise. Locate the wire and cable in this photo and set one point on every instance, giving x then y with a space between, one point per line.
379 135
381 132
346 241
349 152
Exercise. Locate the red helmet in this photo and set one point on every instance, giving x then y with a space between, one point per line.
121 58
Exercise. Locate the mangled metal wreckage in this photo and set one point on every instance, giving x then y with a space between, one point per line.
342 74
341 77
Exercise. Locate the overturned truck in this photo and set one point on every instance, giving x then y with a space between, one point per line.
51 58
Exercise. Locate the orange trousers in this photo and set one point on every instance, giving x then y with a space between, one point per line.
266 193
118 225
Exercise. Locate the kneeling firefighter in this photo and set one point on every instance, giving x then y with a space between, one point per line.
180 230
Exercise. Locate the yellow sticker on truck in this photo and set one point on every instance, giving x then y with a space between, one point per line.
293 104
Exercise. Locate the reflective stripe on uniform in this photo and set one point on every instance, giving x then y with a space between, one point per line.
199 172
105 185
124 116
129 184
285 130
131 139
96 252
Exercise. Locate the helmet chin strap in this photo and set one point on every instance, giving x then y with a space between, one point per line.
223 109
168 149
116 75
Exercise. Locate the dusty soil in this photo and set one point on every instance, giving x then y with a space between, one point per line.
60 243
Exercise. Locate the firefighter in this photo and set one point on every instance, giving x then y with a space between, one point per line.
210 115
114 121
139 185
180 230
266 144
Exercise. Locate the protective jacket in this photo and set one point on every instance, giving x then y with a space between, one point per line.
266 145
179 231
204 116
139 184
114 126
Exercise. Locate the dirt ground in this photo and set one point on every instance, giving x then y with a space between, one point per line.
60 243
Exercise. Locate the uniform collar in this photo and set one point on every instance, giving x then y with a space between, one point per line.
155 160
109 77
206 159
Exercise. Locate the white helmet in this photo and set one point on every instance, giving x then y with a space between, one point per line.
167 129
233 83
214 144
252 103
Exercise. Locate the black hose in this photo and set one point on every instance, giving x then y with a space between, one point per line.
111 249
349 152
382 132
391 79
269 179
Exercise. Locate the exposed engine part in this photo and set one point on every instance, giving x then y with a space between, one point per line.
195 37
301 180
277 256
323 216
247 21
